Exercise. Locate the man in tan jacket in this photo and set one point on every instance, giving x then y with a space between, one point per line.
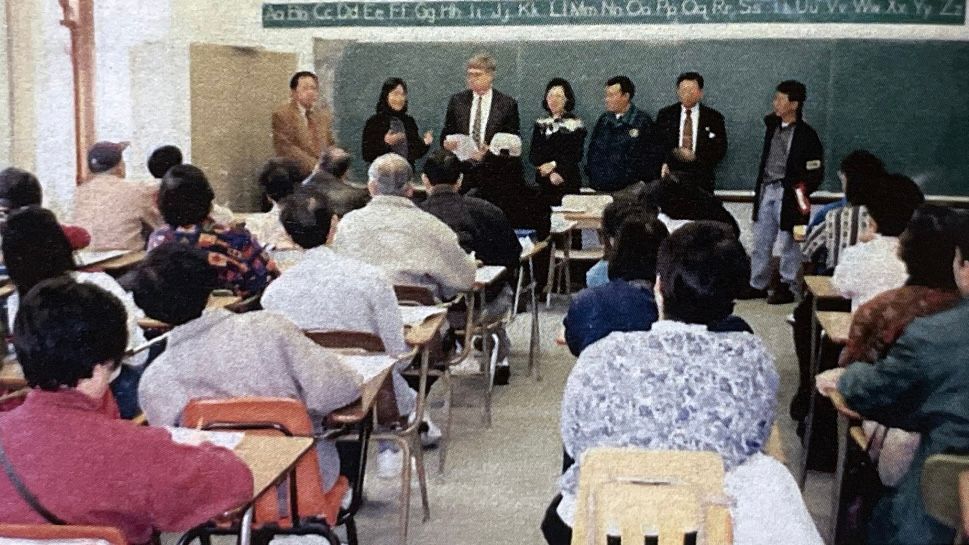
301 129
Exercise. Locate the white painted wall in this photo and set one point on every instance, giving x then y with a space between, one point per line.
142 80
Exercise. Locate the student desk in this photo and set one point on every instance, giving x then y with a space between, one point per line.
836 326
534 344
115 265
11 375
561 230
215 301
846 431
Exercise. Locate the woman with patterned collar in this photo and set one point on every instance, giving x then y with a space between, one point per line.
557 143
681 386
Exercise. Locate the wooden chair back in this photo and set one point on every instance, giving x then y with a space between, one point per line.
675 496
78 535
268 416
346 339
940 487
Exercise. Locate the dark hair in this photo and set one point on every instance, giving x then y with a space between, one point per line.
928 245
35 248
616 211
634 256
173 283
64 329
306 216
19 188
334 160
185 196
294 81
566 88
442 167
795 91
691 76
279 177
625 84
892 203
389 85
162 159
960 236
702 267
679 197
860 167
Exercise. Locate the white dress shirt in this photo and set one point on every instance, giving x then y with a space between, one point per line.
869 268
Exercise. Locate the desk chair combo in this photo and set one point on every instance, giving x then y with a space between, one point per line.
51 533
587 215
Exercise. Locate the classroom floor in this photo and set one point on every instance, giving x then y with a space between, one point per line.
499 480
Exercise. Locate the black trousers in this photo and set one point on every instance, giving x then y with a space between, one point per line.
556 532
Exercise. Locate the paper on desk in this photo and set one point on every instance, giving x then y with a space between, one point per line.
413 316
467 147
488 273
373 369
87 258
192 436
567 210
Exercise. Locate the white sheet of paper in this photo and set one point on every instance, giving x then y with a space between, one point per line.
192 436
466 146
86 258
368 365
415 315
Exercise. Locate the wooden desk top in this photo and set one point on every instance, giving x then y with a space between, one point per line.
486 275
12 375
270 457
121 262
419 335
837 325
821 287
560 225
534 250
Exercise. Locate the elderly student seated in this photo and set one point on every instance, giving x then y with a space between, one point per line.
919 385
329 177
482 228
410 245
681 386
116 211
185 200
82 465
215 353
329 291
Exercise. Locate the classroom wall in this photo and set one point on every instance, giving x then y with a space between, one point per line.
142 83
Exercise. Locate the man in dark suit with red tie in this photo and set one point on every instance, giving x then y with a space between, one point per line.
694 135
479 112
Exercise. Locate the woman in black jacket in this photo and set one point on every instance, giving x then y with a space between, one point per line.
391 130
557 143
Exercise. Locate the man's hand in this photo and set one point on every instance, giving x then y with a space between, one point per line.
479 155
428 138
684 154
664 171
546 168
556 179
394 138
450 145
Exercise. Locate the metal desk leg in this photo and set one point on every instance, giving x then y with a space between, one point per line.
815 365
551 271
839 472
245 530
534 341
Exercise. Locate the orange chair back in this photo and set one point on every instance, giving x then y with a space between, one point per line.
346 339
59 533
291 415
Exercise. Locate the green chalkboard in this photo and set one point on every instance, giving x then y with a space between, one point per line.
907 101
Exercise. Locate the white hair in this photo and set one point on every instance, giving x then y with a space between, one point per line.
390 174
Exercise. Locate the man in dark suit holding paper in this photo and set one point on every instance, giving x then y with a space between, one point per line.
791 168
479 112
694 135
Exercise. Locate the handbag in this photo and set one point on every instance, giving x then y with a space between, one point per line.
24 492
861 488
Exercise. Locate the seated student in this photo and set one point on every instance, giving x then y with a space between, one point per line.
19 188
116 211
410 245
873 266
920 385
483 229
838 225
35 249
681 386
82 465
502 182
164 158
278 179
325 290
612 217
927 247
216 353
680 200
185 200
626 302
329 177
